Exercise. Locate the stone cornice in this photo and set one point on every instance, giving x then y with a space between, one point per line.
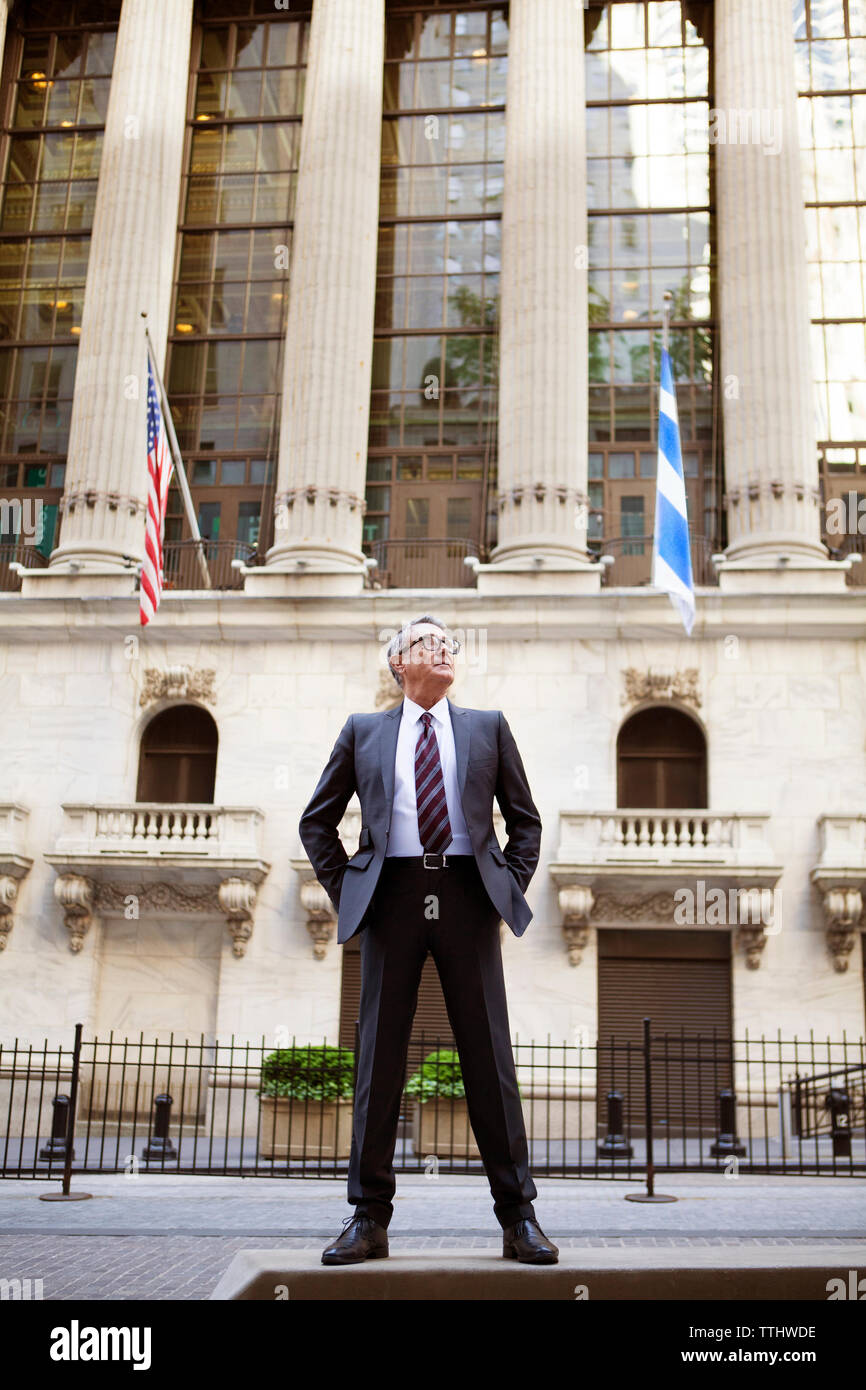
612 614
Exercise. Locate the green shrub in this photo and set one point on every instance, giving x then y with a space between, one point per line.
308 1073
439 1076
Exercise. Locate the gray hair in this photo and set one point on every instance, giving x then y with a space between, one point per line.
395 646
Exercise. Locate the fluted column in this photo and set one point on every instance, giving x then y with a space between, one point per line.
771 462
322 461
129 271
542 466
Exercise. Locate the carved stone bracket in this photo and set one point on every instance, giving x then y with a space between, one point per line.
237 898
752 940
321 918
649 685
8 895
83 898
74 892
575 904
842 910
177 683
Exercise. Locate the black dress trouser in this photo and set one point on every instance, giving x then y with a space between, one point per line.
448 912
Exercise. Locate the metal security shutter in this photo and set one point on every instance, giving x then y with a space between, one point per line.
683 984
431 1016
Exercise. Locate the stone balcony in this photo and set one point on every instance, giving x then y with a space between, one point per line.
159 858
840 877
14 863
675 868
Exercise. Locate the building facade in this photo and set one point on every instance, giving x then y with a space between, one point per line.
403 266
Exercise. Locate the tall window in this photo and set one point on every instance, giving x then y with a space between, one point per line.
231 295
177 758
435 360
661 759
56 76
830 47
648 84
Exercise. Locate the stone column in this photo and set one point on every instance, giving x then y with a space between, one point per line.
771 462
322 460
129 271
4 15
543 394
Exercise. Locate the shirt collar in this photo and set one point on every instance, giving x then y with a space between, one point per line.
412 711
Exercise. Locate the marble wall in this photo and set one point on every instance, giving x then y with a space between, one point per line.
785 721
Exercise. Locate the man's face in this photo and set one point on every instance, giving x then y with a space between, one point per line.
425 662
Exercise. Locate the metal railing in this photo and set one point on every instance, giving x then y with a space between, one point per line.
619 1107
422 564
632 561
18 553
181 568
854 544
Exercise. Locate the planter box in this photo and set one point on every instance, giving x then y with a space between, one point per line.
442 1127
305 1128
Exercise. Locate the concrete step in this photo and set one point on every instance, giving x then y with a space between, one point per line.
719 1272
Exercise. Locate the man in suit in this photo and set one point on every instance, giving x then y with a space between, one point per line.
429 875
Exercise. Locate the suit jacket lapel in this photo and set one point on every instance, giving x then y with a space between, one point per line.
461 725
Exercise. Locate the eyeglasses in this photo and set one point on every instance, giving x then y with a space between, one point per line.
432 643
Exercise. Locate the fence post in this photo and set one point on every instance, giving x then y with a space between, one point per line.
727 1142
650 1195
65 1195
615 1144
160 1145
838 1102
648 1104
55 1147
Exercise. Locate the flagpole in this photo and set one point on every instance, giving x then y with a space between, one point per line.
179 470
666 319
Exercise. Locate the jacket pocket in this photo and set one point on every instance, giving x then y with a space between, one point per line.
361 859
498 855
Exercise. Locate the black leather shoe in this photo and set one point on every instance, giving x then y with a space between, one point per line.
525 1241
362 1238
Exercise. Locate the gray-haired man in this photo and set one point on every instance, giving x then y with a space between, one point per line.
426 774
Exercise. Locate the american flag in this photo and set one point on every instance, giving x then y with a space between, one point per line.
160 467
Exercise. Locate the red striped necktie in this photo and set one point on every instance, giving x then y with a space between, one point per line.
434 827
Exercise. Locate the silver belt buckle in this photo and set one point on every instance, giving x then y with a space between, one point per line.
443 865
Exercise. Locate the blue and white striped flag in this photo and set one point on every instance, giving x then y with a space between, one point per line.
672 561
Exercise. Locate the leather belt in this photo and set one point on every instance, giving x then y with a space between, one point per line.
430 861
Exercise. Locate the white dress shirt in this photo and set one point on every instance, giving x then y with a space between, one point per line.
404 838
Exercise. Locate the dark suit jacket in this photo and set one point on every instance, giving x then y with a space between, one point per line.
363 759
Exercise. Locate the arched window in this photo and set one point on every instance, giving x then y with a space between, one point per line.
177 762
661 759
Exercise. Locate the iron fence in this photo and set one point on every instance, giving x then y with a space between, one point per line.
608 1108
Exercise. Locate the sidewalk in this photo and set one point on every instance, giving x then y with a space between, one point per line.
164 1237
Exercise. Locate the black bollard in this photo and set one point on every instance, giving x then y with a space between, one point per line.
159 1145
838 1102
615 1144
55 1147
727 1143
